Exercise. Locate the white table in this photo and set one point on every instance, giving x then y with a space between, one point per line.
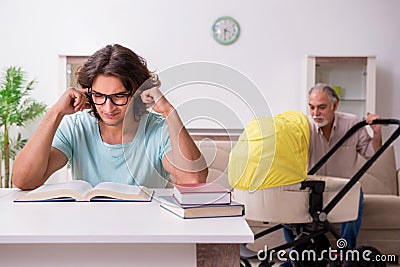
113 234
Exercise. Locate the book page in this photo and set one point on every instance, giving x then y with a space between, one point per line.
119 192
120 188
76 185
75 189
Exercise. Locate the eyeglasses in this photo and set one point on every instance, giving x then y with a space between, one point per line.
119 99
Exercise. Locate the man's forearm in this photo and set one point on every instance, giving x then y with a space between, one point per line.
186 157
32 162
377 141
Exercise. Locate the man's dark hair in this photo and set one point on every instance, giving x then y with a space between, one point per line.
118 61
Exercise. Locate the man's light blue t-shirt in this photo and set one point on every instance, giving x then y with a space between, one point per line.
138 162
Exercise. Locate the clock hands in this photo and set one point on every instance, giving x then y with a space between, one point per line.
225 30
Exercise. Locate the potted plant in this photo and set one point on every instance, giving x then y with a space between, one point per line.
16 109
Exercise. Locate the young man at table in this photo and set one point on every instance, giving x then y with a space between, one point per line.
110 142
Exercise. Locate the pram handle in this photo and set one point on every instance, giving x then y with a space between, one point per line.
367 164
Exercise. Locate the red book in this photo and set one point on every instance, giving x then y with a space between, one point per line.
202 194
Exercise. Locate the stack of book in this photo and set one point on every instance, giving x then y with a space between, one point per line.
201 200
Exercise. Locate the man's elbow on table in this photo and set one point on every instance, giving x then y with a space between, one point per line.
22 180
184 177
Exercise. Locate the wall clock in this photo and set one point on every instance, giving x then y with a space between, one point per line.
225 30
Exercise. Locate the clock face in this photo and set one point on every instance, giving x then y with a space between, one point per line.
225 30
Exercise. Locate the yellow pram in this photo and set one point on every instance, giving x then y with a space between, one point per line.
271 152
268 171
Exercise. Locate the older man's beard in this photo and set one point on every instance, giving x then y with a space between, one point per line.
320 124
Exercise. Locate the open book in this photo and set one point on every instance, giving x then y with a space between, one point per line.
79 190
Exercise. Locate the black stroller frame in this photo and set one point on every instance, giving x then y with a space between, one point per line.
320 225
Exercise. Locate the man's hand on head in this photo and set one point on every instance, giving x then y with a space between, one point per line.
72 101
156 100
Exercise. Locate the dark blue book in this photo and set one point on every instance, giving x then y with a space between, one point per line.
201 211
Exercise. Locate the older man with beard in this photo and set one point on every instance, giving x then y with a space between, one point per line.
327 127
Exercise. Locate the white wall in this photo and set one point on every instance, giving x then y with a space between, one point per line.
275 38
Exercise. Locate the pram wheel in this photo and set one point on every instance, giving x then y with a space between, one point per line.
244 263
266 264
313 253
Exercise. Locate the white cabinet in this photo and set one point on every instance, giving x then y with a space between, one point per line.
352 77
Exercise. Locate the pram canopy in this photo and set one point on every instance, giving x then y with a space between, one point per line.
272 151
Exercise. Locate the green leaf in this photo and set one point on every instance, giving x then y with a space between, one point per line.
16 107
